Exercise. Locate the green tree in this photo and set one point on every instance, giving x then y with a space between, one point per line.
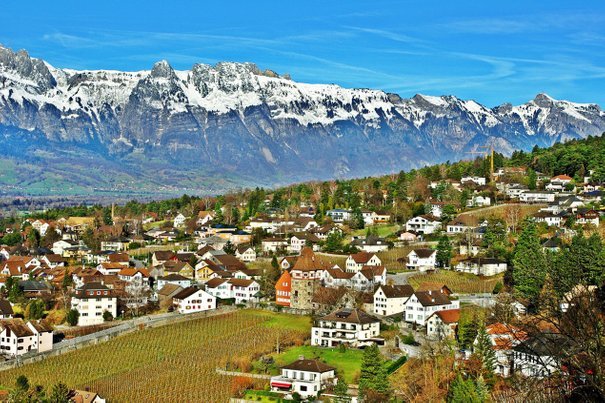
12 239
333 242
60 393
72 317
274 263
35 310
462 390
444 252
341 390
107 316
373 374
483 349
529 264
229 248
22 383
15 293
357 221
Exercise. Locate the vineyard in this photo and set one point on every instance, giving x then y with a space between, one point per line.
463 283
169 363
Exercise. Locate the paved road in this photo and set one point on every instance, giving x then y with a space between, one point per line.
401 278
484 300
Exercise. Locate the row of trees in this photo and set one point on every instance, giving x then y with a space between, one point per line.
582 262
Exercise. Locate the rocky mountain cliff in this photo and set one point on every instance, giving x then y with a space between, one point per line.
231 124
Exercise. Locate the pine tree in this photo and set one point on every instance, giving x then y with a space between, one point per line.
484 350
529 264
462 390
373 372
444 252
59 394
548 301
341 390
229 248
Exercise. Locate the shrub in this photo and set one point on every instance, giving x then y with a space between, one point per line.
72 317
498 288
107 316
409 339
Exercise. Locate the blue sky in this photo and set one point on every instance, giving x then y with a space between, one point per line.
493 53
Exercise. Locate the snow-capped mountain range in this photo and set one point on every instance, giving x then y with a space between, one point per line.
256 127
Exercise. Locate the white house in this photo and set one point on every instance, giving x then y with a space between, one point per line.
179 221
346 326
18 337
219 287
482 266
514 190
408 237
305 377
424 224
273 245
356 261
537 196
479 201
457 227
550 219
371 244
339 215
193 299
588 217
64 246
240 290
504 338
538 356
173 278
422 304
92 300
477 180
390 299
422 259
299 240
245 253
443 324
244 290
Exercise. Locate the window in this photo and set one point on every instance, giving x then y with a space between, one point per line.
303 388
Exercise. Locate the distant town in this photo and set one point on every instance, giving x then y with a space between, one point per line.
471 281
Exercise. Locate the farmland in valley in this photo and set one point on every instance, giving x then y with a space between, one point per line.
169 363
462 283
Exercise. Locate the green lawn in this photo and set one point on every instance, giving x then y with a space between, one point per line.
282 320
263 396
382 230
347 364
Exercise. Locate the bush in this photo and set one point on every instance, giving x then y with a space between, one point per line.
72 317
498 288
409 339
107 316
134 245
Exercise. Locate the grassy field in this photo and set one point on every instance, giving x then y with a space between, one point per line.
463 283
473 217
347 363
382 230
174 362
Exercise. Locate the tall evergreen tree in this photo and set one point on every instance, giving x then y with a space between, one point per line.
529 264
373 375
484 350
444 252
462 390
